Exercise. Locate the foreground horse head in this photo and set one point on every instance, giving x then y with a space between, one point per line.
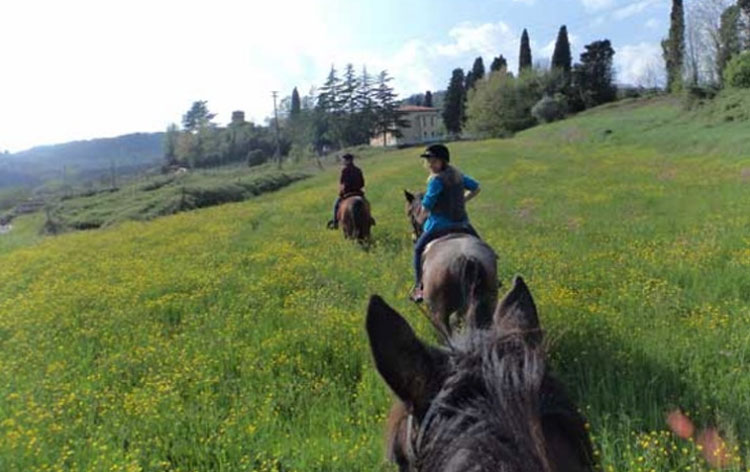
354 216
485 403
460 274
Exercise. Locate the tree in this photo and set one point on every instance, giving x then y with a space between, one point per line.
501 105
296 106
524 57
428 99
170 144
476 74
454 106
730 42
593 78
562 58
745 7
499 63
468 81
349 89
197 117
674 47
388 116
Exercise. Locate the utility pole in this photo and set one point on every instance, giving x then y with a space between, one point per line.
276 122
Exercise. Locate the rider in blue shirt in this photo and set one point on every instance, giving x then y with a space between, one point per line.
447 193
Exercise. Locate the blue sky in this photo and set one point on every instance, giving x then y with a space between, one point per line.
88 68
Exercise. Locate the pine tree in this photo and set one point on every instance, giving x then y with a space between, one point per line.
388 117
349 90
674 47
296 107
428 99
524 56
499 63
454 108
197 117
562 59
329 97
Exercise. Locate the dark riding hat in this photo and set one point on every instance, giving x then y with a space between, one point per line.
438 151
348 157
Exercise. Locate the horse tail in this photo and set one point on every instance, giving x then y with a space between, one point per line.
360 219
476 306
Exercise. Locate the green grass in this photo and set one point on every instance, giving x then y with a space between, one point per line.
25 232
232 338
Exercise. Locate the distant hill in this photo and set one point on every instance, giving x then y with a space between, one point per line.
81 159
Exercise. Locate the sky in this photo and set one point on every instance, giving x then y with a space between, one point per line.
81 69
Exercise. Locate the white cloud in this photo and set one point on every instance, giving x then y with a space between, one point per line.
594 5
634 9
639 64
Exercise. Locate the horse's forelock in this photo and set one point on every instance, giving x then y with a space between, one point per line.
489 406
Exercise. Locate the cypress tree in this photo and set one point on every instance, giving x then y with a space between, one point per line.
296 106
562 58
500 63
454 108
524 57
674 47
477 70
469 81
428 99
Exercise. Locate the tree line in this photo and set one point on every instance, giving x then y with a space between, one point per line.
347 110
498 102
708 45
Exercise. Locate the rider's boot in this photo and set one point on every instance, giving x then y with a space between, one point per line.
417 295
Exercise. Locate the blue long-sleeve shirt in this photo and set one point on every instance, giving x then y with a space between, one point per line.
434 188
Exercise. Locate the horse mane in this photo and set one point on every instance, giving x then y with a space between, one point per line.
488 414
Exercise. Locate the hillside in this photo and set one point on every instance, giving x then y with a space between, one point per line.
232 338
81 159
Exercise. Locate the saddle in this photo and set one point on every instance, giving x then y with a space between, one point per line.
358 193
448 234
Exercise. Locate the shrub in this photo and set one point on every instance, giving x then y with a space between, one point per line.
550 109
256 157
737 72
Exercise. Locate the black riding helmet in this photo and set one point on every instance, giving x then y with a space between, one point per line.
437 150
348 157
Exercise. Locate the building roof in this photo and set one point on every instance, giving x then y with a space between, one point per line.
413 108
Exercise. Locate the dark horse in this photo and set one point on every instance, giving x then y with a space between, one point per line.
486 402
460 271
354 217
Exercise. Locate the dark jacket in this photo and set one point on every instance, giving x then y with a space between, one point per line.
352 180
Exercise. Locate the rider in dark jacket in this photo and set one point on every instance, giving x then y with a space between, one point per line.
351 183
447 193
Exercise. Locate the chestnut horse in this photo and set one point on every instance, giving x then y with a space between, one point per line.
354 217
484 403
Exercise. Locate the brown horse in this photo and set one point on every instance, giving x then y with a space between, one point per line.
354 217
486 402
460 272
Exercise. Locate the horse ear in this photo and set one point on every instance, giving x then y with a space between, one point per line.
409 367
409 196
517 312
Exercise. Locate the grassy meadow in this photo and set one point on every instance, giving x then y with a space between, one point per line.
232 338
